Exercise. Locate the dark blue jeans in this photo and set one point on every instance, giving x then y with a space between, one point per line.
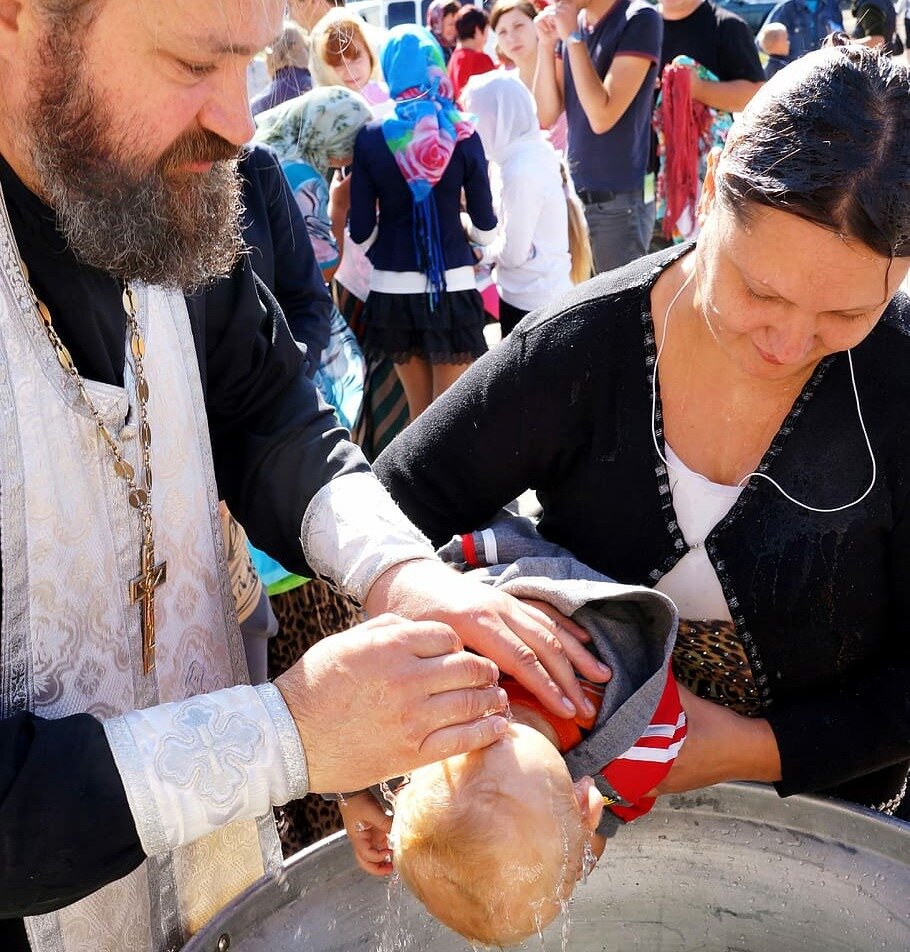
620 230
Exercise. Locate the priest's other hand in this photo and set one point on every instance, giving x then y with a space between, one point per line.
541 650
388 696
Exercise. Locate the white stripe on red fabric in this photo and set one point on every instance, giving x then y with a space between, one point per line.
655 755
665 730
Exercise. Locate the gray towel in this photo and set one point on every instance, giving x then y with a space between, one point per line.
632 630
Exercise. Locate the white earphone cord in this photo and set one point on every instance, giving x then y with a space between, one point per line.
774 483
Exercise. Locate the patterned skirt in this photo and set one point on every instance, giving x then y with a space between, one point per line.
710 661
385 407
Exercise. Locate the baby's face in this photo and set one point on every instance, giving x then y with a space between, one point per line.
538 821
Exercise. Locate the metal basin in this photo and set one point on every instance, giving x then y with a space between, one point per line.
730 869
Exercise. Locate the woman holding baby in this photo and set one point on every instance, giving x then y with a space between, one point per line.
726 422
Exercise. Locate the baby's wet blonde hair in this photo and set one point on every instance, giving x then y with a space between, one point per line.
463 846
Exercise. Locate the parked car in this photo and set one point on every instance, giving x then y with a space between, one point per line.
385 14
388 13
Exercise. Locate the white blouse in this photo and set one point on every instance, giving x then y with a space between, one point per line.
700 505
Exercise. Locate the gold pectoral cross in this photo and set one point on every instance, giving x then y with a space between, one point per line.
142 590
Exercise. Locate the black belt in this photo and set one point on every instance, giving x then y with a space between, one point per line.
594 196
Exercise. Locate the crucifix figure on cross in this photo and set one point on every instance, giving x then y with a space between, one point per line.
142 590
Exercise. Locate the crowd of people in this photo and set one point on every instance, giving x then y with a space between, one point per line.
578 81
281 302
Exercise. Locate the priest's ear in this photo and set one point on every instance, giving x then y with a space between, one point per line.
14 15
9 15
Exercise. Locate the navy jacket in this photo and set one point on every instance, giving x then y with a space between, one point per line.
280 250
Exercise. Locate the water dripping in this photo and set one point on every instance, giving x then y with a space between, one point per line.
588 861
390 795
565 924
391 935
538 925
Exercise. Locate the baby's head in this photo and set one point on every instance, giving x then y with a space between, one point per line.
492 842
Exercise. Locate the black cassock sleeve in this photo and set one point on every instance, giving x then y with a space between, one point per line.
65 826
275 440
281 253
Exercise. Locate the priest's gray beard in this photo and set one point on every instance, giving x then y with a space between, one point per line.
162 225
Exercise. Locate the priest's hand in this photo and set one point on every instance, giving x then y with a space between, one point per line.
388 696
541 650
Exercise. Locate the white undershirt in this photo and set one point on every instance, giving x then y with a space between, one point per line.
699 504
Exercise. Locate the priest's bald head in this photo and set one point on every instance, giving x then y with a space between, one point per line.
126 117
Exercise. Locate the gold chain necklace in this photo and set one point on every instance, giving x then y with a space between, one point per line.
151 574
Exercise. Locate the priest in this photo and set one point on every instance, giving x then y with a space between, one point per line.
138 768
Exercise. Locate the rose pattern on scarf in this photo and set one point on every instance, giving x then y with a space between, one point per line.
428 152
426 124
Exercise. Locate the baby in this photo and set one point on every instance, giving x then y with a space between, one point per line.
493 842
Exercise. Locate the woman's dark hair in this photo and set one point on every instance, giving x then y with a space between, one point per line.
469 20
827 140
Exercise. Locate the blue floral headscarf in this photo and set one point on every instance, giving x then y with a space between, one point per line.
421 133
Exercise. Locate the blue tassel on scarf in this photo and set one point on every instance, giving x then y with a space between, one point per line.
428 248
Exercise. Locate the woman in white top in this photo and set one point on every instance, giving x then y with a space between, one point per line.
531 252
516 43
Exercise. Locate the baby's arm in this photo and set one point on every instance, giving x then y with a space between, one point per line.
635 774
367 827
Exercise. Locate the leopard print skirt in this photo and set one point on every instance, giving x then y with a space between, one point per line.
307 614
710 661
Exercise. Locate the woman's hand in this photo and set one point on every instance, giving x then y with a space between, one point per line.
545 23
565 18
540 649
339 206
721 745
368 827
340 193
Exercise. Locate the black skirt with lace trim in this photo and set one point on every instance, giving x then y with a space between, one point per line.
402 326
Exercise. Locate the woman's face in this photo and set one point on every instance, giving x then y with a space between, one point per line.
517 36
448 31
779 293
355 68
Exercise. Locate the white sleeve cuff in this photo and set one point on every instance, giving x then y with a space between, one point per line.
481 237
490 253
365 245
190 767
352 532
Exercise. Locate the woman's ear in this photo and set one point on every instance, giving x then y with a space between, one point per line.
590 802
706 199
